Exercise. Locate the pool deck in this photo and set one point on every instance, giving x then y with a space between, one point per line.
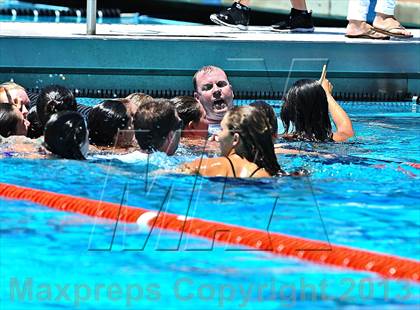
164 57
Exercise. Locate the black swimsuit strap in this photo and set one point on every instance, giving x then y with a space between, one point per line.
231 164
255 171
234 172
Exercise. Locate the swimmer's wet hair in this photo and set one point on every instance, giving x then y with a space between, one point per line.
35 129
65 133
139 98
255 132
153 122
11 85
268 110
53 99
8 120
188 109
305 112
105 119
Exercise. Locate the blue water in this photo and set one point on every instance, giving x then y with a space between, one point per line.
365 195
132 18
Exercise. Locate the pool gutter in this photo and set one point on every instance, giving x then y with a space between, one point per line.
163 59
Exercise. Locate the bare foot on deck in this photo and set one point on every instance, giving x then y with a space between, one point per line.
362 30
388 25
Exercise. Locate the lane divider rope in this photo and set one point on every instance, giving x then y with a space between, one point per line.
414 165
315 251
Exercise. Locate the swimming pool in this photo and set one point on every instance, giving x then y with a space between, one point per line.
20 11
365 197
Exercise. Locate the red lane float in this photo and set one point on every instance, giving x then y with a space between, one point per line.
310 250
414 165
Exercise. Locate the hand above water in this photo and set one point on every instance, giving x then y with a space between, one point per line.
327 86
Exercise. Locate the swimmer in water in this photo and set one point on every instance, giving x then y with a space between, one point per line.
306 113
246 148
66 135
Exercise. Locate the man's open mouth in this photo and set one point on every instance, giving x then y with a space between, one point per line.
219 105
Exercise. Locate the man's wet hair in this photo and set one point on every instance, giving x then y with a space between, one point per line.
139 98
105 119
188 109
53 99
12 85
153 122
205 69
65 133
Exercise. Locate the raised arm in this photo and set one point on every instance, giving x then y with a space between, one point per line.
341 119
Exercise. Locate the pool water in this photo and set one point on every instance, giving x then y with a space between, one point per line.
125 18
131 19
365 195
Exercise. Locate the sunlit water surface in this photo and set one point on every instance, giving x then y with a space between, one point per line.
365 196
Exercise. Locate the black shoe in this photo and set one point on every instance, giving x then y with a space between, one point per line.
298 21
236 16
